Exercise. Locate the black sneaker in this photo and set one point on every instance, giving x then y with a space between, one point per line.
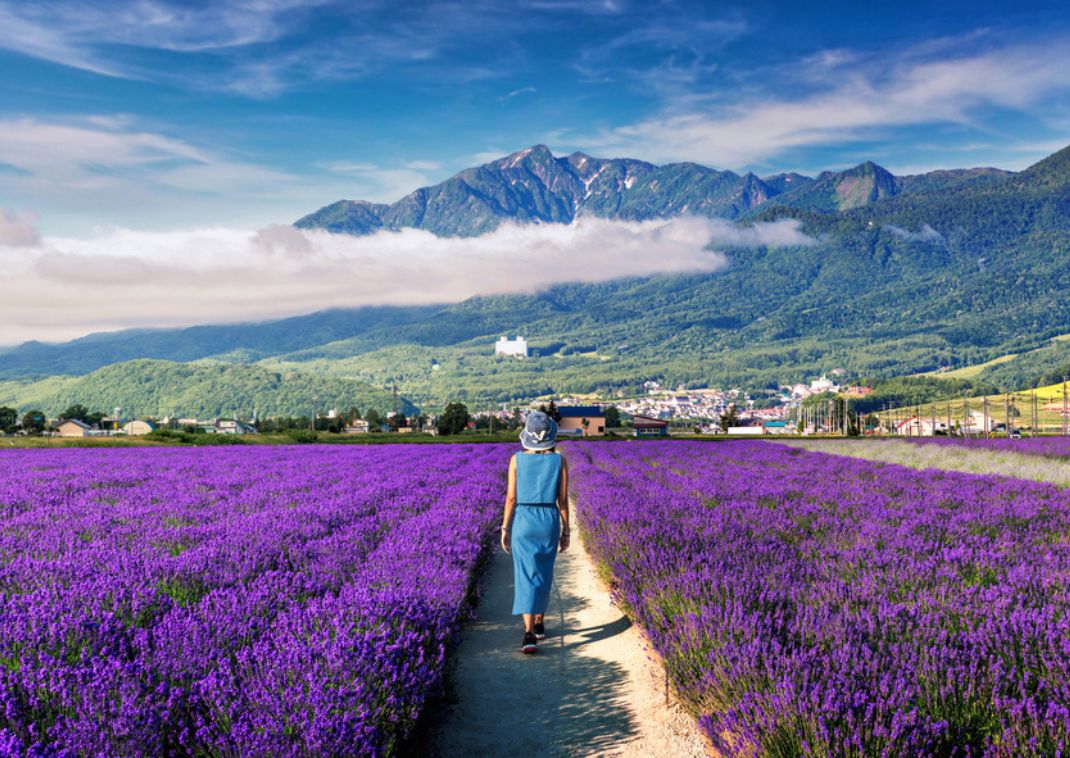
529 645
540 631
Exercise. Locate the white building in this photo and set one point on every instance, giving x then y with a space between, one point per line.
517 348
817 386
138 428
915 426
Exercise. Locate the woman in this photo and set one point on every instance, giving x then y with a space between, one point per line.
535 522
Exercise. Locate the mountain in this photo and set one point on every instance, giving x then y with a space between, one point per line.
909 274
842 190
533 185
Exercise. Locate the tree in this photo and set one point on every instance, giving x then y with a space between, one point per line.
79 412
397 421
551 411
34 422
374 420
730 417
76 412
9 418
454 419
612 417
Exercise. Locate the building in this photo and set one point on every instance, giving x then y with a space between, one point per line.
744 431
915 426
647 426
823 384
231 426
573 418
517 348
777 426
357 426
72 427
975 423
138 428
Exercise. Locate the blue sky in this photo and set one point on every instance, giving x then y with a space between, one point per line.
152 114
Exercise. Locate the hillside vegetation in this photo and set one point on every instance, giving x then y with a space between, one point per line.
160 388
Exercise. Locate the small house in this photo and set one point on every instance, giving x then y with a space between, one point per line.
72 427
647 426
582 420
357 426
232 426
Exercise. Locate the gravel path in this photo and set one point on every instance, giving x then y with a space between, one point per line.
592 689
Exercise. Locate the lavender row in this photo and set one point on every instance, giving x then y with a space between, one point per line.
807 604
250 601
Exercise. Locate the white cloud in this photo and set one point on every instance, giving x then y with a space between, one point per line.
516 92
73 33
840 97
924 234
66 287
85 168
16 230
255 48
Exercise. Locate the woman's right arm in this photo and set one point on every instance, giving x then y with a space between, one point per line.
510 505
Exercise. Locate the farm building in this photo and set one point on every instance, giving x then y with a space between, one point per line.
647 426
573 418
745 430
915 426
138 428
72 427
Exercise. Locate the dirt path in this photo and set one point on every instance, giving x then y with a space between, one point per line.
590 690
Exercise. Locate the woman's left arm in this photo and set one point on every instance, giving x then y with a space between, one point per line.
562 504
510 506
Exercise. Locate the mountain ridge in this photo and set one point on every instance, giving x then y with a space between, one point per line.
534 185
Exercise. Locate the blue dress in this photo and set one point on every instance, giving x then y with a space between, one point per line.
536 530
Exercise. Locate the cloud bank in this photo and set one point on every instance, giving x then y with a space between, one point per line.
59 288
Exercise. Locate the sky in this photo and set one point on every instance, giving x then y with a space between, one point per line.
166 118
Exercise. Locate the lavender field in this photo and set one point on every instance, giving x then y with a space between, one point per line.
808 604
1049 447
247 601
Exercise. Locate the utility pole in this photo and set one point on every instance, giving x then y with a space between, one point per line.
966 418
949 417
1007 410
985 429
395 398
1066 417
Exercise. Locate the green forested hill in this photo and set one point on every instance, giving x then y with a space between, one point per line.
160 388
911 275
